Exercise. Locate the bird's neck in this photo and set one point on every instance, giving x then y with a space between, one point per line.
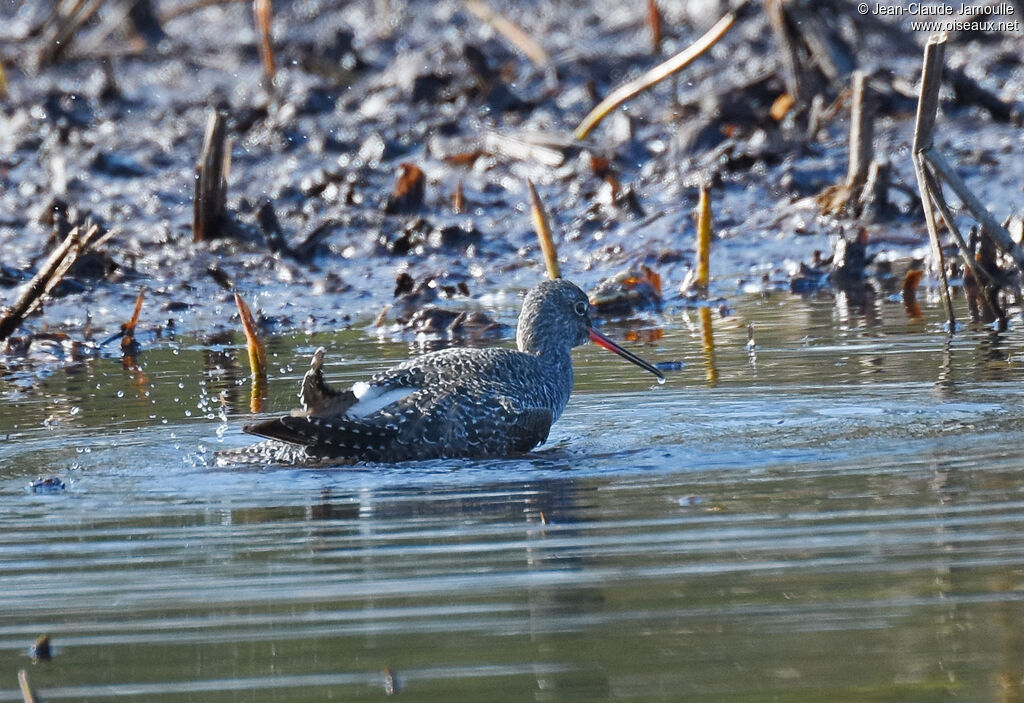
552 349
557 374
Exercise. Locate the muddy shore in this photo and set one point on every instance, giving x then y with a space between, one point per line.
109 130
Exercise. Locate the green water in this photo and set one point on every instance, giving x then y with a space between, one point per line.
833 515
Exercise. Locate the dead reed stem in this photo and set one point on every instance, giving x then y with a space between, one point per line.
211 180
64 28
654 24
927 105
657 74
262 12
26 690
510 30
57 264
980 274
542 227
703 278
862 135
257 354
931 167
1000 235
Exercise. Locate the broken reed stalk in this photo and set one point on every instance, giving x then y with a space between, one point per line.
57 264
257 355
510 30
787 49
26 689
659 73
1000 235
128 344
981 275
211 180
523 150
703 278
654 23
862 135
541 225
930 166
130 327
261 12
458 199
865 187
924 124
3 82
64 27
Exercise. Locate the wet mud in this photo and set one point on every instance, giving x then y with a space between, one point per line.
379 178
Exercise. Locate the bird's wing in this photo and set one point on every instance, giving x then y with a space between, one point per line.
530 429
363 399
493 426
317 397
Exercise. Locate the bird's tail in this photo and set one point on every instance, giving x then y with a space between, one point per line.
329 437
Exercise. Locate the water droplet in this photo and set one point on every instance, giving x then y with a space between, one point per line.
661 381
120 394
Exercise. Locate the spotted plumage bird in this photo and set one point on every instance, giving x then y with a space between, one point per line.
458 402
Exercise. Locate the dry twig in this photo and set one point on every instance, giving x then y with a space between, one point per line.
510 30
928 103
659 73
57 264
61 28
26 689
262 12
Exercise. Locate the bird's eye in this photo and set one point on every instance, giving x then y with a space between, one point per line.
581 308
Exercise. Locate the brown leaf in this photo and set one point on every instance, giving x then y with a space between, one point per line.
409 190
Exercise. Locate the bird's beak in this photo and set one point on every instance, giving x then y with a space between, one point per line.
599 339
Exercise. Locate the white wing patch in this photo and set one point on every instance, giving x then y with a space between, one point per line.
375 398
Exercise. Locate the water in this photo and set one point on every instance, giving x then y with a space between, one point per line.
834 515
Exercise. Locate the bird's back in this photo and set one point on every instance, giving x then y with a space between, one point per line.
454 402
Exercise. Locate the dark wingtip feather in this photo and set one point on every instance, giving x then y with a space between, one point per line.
328 437
276 429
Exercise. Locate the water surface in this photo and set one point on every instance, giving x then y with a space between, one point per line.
833 515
